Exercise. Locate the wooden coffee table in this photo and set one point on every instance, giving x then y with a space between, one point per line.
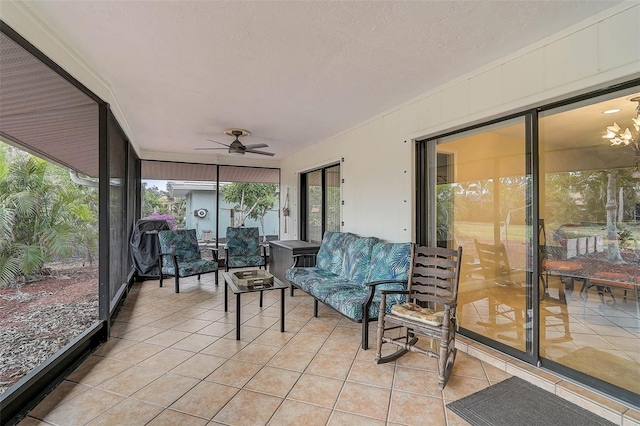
238 291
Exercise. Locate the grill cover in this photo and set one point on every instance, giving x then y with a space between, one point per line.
145 248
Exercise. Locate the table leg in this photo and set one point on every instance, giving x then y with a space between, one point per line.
226 303
261 298
282 310
238 316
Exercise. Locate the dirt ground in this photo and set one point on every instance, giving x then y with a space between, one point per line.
40 317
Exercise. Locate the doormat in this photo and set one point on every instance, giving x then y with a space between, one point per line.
518 402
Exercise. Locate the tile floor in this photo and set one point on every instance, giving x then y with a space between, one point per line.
173 359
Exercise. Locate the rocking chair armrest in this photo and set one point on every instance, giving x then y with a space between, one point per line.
395 292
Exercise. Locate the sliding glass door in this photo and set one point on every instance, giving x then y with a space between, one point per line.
483 198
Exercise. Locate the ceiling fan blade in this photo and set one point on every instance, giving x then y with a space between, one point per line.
256 145
211 140
206 149
255 151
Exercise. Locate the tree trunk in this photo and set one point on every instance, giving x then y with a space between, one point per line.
613 248
264 234
621 206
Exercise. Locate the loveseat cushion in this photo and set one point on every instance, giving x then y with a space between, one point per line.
308 279
349 301
358 258
330 257
389 261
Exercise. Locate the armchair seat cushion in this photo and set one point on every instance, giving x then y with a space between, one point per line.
414 311
195 267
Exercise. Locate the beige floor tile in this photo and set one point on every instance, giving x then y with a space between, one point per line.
199 366
212 315
364 400
175 418
98 373
167 359
423 382
192 325
262 321
256 353
83 408
247 334
339 418
131 380
166 390
218 329
205 399
466 365
461 386
128 412
224 348
454 420
167 338
113 346
494 374
273 381
306 342
348 333
412 409
195 342
137 353
372 374
30 421
64 392
318 329
290 325
234 373
274 338
297 413
291 359
316 390
416 360
248 408
142 333
340 347
330 366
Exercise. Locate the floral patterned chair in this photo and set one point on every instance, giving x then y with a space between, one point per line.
243 249
180 256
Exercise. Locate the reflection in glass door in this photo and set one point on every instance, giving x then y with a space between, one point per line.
589 201
483 199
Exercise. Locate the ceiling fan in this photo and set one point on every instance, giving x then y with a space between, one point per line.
236 147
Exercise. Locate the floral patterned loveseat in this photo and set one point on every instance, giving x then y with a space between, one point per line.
349 273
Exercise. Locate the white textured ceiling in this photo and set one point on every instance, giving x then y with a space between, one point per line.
293 73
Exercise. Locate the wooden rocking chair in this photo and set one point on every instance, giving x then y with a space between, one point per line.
430 309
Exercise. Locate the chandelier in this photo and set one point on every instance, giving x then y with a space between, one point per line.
617 137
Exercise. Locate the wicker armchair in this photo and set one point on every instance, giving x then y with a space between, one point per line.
180 256
430 309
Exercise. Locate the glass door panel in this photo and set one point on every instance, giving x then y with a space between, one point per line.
483 199
589 204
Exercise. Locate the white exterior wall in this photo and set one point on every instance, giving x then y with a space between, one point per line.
378 164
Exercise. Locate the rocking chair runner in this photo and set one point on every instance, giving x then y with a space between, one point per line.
430 309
